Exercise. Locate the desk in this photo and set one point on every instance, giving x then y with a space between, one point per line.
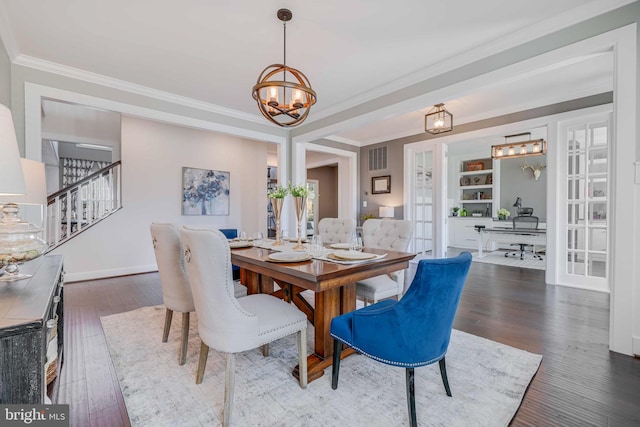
334 286
511 235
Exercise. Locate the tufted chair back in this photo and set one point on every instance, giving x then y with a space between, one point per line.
176 290
336 230
392 234
229 324
222 322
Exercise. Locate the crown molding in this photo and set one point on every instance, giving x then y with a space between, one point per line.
99 79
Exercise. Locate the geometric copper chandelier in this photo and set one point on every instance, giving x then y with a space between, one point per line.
285 103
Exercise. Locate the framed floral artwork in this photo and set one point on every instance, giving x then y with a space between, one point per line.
205 192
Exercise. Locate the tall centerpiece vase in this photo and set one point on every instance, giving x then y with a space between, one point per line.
300 203
277 211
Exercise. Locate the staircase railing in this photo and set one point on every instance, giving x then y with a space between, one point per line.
73 209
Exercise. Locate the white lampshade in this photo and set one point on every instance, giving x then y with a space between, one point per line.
386 212
36 191
11 177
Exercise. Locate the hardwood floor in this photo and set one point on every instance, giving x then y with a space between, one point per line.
579 383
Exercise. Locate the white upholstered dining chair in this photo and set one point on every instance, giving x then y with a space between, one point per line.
176 290
229 324
336 230
389 234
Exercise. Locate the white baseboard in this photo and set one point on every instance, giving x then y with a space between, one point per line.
103 274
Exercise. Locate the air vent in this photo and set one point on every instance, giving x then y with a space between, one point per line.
378 158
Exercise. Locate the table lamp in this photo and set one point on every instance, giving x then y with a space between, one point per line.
19 240
386 212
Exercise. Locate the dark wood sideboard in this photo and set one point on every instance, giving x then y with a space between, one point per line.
25 307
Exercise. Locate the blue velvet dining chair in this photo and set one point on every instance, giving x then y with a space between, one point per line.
409 333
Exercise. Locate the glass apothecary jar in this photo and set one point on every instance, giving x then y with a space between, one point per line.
20 242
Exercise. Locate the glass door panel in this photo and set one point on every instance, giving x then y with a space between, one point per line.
423 202
587 152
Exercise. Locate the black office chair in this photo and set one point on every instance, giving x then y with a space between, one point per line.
524 222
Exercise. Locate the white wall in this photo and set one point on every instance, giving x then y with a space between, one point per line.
153 155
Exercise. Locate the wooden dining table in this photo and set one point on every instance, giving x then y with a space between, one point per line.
333 284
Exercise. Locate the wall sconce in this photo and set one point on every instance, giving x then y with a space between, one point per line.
438 120
530 147
386 212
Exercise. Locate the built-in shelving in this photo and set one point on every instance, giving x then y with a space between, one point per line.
475 186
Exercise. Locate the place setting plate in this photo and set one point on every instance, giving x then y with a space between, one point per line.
351 256
235 244
295 240
289 257
339 246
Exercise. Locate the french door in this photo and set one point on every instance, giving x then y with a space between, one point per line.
427 188
585 148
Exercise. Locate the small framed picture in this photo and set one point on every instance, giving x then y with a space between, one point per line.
381 184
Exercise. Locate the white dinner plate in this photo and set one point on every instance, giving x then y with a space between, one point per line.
295 240
353 255
339 246
234 244
289 256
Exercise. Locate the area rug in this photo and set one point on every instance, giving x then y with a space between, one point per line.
497 257
488 381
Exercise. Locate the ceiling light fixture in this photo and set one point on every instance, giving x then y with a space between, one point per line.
272 87
529 147
438 120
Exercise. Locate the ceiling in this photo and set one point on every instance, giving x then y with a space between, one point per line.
212 52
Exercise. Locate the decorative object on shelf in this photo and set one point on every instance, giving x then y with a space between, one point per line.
536 170
438 120
300 194
205 192
528 147
277 196
477 213
476 180
267 91
503 214
454 211
465 181
381 184
463 212
20 240
474 166
489 179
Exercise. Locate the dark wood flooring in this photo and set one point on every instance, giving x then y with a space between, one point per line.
579 383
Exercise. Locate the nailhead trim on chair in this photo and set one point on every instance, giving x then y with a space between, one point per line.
390 362
282 336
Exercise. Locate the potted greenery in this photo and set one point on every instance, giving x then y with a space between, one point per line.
454 211
463 212
503 214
